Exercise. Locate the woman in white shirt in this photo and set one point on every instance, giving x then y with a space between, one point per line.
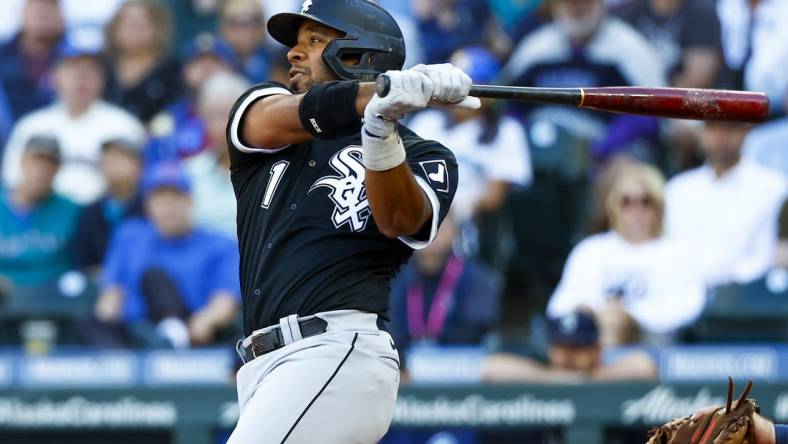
633 278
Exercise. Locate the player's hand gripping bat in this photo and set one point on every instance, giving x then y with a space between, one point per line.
679 103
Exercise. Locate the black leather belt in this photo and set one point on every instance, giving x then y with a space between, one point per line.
273 339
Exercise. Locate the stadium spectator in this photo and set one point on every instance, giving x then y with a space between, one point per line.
575 355
447 25
121 167
511 13
192 18
178 132
491 148
585 47
764 144
397 8
86 21
80 120
781 253
241 26
83 21
26 61
599 220
686 33
37 225
271 7
213 195
166 273
143 77
440 298
6 116
755 43
632 277
527 23
726 210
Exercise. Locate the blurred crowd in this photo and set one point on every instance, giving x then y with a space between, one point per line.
571 232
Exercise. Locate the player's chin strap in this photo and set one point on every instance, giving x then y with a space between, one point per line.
382 146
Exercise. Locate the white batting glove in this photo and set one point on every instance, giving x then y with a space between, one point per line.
382 147
409 91
450 85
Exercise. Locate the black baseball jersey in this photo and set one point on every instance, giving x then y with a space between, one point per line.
306 234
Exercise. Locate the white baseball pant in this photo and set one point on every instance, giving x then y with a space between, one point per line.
338 387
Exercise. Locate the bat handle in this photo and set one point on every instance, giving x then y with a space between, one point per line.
382 85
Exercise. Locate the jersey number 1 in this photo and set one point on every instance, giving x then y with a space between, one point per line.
277 171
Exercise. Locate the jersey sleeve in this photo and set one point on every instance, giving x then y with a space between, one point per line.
435 169
242 105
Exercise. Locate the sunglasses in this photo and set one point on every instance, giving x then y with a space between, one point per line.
643 200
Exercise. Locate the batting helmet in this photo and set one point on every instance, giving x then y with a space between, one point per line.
371 35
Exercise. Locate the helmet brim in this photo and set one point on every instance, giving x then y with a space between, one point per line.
283 27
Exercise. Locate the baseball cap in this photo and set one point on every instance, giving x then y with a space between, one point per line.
479 63
166 175
72 50
122 143
575 329
207 43
44 145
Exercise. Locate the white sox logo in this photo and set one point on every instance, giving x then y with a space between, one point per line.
347 189
305 7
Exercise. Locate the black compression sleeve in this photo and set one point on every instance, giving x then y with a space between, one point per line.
328 110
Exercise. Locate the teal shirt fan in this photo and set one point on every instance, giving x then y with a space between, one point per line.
36 244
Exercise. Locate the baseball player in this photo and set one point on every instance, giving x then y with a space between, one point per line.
328 210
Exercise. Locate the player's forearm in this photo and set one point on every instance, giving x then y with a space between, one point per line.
398 204
275 121
366 90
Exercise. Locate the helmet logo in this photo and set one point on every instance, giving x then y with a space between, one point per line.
305 7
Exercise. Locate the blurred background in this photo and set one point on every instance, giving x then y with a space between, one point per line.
598 274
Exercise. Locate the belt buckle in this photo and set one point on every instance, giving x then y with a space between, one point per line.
257 350
258 346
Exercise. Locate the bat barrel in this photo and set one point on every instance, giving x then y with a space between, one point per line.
681 103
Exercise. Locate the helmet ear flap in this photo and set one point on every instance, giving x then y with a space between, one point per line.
331 57
349 62
368 59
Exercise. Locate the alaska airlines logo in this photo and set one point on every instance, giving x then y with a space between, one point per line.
305 7
347 189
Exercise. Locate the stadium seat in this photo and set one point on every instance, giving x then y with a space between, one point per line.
733 310
63 300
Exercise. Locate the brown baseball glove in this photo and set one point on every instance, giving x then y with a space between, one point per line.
732 424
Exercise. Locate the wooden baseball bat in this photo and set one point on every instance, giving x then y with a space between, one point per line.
678 103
